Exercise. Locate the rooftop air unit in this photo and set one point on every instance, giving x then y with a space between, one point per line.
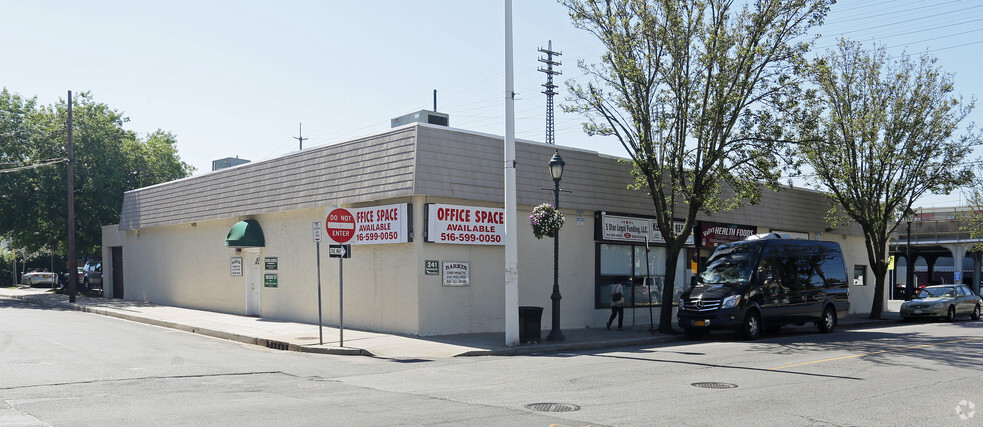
422 116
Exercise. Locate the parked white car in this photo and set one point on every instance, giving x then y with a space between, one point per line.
36 278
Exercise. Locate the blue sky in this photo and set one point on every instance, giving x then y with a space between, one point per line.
235 78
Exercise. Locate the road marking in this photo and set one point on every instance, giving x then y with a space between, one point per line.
875 352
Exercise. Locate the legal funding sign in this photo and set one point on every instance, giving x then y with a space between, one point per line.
635 229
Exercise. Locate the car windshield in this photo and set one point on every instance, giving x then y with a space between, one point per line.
936 292
731 266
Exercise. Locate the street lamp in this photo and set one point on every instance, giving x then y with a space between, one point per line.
556 171
909 216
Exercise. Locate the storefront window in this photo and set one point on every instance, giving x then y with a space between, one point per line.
643 282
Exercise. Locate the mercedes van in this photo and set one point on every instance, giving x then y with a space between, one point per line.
764 282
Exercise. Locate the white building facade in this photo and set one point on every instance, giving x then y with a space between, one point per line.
426 254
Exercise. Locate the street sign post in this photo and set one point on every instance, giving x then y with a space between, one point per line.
317 256
340 224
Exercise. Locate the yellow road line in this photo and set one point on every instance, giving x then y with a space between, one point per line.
875 352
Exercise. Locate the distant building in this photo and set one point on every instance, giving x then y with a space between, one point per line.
227 162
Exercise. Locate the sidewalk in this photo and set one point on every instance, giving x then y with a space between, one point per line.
304 337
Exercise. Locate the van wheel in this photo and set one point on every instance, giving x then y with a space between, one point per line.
976 312
828 322
950 316
751 328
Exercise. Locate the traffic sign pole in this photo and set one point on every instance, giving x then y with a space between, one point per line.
317 241
340 225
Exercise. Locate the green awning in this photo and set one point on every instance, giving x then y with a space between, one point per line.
246 234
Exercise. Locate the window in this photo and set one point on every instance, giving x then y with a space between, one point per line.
859 275
642 279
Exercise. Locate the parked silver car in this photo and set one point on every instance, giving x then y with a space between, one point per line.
37 277
942 302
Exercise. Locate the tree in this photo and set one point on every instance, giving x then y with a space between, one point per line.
109 160
699 95
886 135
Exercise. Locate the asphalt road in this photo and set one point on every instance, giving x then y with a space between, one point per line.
64 368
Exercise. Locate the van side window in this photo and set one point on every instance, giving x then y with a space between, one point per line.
832 270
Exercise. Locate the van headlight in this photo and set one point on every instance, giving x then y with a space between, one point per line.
731 301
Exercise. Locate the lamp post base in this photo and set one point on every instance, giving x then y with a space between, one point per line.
555 333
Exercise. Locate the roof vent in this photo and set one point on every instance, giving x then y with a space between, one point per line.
423 116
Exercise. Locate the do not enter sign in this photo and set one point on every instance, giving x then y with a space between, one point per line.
340 225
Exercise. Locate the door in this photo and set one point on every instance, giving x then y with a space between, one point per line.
117 271
254 285
772 292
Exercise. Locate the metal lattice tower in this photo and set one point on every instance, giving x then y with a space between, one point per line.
549 88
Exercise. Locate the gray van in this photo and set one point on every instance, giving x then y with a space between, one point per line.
764 282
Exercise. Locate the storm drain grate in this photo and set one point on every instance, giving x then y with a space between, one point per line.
714 385
277 345
552 407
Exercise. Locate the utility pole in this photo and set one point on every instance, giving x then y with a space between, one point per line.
549 88
72 275
300 135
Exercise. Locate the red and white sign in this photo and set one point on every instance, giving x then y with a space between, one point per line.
381 224
465 225
340 225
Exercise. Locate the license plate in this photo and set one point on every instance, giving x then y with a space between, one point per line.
699 323
918 312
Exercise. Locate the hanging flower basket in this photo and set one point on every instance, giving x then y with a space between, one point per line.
545 221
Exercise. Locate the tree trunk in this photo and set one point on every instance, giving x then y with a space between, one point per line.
876 252
668 289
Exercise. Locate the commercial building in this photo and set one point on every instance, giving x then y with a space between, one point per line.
426 255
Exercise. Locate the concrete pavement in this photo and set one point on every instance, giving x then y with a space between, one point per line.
304 337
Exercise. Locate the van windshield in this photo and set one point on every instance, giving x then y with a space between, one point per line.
731 267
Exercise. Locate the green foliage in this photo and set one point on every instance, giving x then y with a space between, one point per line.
886 133
972 220
699 94
109 160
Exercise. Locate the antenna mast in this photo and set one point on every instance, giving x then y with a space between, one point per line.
549 88
300 135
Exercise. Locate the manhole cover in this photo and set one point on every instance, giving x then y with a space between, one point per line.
552 407
714 385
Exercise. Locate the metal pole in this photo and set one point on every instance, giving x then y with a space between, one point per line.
341 303
72 277
651 284
511 222
909 269
320 323
555 333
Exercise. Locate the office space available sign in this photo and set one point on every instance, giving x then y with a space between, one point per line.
465 225
380 224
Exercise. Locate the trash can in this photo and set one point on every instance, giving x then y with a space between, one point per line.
530 324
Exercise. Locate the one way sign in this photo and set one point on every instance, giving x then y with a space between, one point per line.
340 251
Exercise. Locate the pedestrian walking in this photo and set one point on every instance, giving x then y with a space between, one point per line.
617 305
